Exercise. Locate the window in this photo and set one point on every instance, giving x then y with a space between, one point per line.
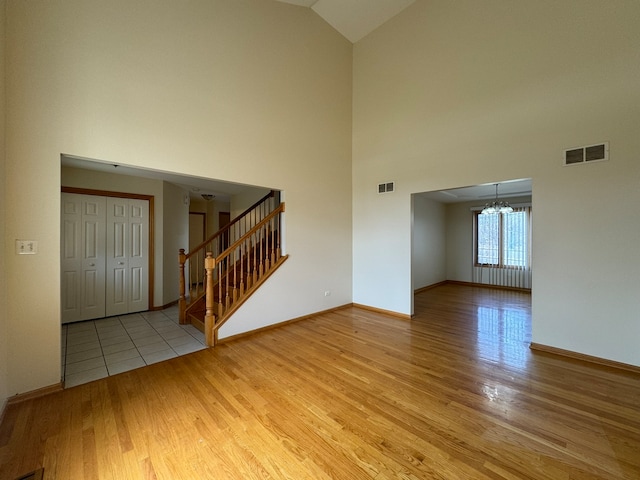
503 240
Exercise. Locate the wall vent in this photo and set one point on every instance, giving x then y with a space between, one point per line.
387 187
586 154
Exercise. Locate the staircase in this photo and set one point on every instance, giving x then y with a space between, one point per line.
221 273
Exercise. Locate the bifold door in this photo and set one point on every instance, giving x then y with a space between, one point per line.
104 256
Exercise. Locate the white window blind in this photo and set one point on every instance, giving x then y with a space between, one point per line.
502 248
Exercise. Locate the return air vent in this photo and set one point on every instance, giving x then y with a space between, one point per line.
386 187
590 153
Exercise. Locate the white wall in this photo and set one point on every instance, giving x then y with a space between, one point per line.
249 91
175 232
429 243
4 332
450 94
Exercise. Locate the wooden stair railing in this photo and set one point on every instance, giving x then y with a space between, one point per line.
221 279
191 274
236 273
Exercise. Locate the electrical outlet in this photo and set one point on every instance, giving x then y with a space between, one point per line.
26 247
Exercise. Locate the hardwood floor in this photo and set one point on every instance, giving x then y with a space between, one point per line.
454 394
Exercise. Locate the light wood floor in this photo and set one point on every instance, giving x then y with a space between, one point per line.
454 394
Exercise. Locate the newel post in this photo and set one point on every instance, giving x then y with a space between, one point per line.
182 301
209 318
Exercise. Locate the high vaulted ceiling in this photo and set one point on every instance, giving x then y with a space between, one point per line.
354 18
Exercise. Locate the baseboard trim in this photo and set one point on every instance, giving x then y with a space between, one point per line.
3 409
402 316
470 284
429 287
584 358
486 285
280 324
163 307
40 392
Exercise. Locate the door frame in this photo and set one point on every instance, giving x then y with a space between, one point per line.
136 196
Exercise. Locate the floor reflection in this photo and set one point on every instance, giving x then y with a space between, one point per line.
501 334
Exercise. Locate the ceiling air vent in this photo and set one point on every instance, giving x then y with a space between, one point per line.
387 187
590 153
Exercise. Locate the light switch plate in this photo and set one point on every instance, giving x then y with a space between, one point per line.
26 247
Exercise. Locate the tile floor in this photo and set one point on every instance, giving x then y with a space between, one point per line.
98 348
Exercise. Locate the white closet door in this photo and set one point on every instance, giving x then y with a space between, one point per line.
83 230
104 256
127 256
117 257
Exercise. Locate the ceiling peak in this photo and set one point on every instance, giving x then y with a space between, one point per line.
354 19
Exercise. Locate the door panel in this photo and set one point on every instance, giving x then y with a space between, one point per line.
137 282
138 261
71 259
93 293
82 257
117 256
93 258
70 295
127 256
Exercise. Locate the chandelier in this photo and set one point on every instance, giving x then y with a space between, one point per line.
496 206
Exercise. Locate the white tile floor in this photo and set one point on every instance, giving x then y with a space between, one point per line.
98 348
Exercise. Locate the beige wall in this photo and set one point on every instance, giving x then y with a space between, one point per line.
429 242
240 202
450 94
175 228
4 325
213 215
250 91
197 206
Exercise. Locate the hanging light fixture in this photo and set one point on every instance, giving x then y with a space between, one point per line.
496 206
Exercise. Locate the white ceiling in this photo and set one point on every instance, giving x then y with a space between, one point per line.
484 192
354 18
197 186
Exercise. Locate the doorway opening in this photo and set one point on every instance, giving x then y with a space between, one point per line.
446 241
97 346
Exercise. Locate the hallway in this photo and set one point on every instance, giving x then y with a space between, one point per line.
96 349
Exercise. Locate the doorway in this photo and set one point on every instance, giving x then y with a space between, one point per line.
445 240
